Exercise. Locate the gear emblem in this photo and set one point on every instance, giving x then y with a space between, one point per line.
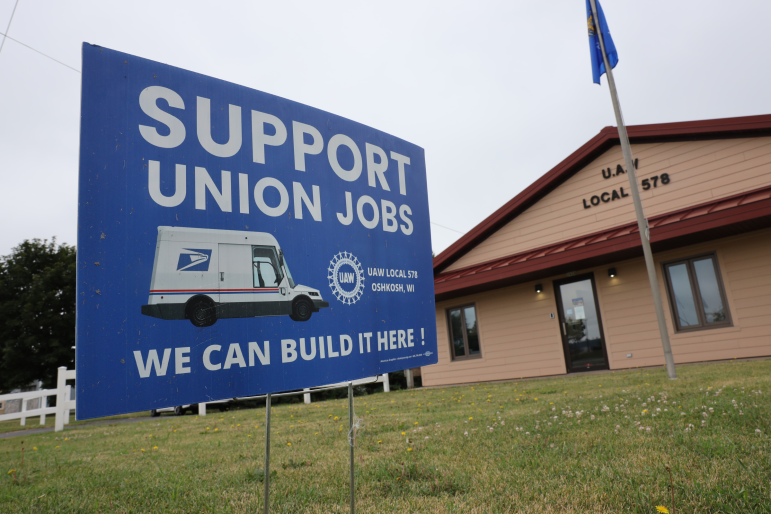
346 278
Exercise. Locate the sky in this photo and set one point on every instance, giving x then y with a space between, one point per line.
497 93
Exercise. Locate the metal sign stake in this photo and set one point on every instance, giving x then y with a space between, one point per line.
267 453
351 442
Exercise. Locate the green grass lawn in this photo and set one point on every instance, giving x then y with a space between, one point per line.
597 442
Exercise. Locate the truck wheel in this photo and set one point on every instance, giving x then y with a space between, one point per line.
302 310
179 411
201 312
154 413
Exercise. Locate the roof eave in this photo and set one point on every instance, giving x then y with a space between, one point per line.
746 126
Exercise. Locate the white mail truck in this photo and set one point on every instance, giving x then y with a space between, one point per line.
204 275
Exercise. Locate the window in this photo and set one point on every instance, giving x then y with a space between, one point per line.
464 332
265 268
696 293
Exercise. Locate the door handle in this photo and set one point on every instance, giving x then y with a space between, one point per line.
222 276
564 330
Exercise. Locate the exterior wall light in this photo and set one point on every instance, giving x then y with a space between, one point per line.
611 272
538 288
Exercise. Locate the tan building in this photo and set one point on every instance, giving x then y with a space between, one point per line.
554 281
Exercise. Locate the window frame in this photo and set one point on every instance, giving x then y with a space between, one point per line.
465 332
277 263
696 292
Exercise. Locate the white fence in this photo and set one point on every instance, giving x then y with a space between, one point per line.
380 378
64 404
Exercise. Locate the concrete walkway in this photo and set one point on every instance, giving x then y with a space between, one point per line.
43 430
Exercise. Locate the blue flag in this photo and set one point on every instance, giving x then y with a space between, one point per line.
598 65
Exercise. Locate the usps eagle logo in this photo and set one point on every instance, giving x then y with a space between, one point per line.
191 259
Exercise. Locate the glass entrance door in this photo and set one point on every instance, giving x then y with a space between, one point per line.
580 324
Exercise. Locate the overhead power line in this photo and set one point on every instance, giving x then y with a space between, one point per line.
38 51
446 228
8 28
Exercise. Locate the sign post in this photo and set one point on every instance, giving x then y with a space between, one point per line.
267 454
351 443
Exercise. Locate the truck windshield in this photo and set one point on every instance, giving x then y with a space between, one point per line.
265 268
289 274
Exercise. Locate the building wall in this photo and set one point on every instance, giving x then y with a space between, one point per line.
699 171
518 338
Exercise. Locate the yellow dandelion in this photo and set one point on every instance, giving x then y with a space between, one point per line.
55 446
207 428
175 430
66 438
155 447
471 417
216 429
336 418
661 509
239 425
142 449
11 471
404 433
250 435
316 433
416 422
34 447
379 442
289 444
409 449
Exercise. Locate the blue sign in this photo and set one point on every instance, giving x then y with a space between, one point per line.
234 243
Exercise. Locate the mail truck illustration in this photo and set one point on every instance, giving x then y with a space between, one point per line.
204 275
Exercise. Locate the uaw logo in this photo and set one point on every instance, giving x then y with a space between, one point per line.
191 259
346 278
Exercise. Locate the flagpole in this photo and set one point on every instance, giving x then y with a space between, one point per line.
642 223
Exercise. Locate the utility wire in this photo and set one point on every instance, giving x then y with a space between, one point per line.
446 228
8 28
38 51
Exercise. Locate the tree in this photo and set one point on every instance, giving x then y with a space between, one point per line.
37 313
